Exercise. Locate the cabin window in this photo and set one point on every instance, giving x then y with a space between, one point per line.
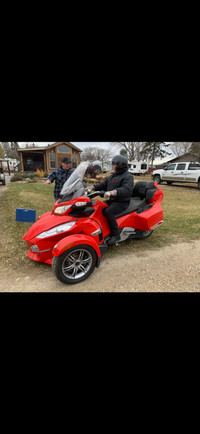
74 161
52 160
63 149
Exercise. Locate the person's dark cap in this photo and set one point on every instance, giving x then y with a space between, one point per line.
66 160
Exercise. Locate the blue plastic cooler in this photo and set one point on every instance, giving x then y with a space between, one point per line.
25 215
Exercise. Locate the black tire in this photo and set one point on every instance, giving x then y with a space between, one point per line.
157 179
75 264
3 182
143 234
199 184
169 182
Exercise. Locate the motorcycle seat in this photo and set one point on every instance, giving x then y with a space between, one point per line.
134 205
141 187
142 191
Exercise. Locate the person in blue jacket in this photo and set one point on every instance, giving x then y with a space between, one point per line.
60 175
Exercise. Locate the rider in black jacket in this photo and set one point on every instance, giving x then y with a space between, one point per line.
118 189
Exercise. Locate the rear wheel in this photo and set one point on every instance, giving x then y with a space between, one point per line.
199 184
143 234
75 264
157 179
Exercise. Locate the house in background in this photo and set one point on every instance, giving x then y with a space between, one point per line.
9 164
188 156
48 158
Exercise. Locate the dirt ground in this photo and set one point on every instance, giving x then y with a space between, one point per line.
2 188
174 268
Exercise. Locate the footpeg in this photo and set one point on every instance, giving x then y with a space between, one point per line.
113 240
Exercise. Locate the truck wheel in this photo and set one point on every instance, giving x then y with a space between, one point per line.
169 182
156 178
3 182
75 264
199 184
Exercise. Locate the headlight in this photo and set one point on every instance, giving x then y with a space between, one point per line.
81 203
61 209
57 230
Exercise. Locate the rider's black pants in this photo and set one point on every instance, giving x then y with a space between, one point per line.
113 209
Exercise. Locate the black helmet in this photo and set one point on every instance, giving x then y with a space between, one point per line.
121 162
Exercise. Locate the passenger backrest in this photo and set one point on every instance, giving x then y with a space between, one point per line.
141 187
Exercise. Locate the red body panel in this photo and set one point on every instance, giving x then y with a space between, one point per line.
75 240
46 222
82 231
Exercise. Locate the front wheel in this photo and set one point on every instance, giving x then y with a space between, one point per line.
75 264
199 184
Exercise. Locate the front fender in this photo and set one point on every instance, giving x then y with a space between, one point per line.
74 240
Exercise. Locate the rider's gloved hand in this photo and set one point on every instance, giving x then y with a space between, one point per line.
110 193
89 189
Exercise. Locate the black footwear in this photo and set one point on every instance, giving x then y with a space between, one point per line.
113 240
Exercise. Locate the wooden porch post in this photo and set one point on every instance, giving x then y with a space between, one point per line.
45 162
21 162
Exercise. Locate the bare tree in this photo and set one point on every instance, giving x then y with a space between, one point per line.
1 151
133 149
87 154
10 149
91 154
180 148
151 150
6 149
195 149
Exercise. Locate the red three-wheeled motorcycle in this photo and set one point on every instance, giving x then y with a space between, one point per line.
73 236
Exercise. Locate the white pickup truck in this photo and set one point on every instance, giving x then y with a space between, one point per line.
178 172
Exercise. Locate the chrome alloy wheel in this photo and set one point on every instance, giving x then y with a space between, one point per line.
77 264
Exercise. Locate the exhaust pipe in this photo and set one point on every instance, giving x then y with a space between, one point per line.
157 225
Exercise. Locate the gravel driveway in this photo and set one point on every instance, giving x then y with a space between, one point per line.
174 268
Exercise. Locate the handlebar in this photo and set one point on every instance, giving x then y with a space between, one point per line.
95 193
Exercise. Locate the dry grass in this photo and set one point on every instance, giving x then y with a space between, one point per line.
29 196
181 205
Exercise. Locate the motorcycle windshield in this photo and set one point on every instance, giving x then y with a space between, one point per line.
74 183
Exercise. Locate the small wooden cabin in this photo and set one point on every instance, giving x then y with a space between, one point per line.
49 157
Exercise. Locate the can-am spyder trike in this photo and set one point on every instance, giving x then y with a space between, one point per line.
73 236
